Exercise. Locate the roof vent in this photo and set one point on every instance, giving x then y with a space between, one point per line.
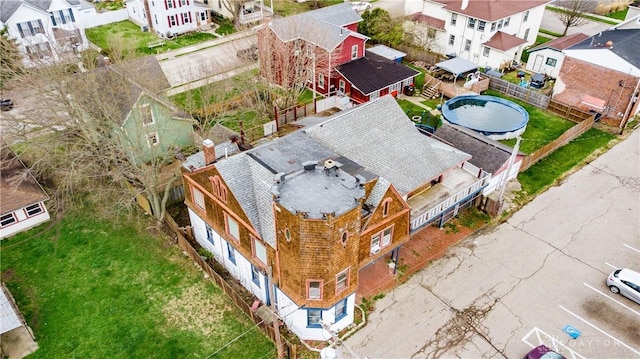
309 165
328 164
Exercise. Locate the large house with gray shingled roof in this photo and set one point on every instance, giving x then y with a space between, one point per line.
323 50
318 205
45 30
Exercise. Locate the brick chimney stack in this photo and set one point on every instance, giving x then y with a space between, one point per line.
209 149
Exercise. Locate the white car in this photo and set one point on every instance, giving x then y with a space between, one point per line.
360 6
626 282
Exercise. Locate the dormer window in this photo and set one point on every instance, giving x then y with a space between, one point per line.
471 23
385 207
354 52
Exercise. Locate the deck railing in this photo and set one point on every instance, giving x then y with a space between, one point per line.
436 210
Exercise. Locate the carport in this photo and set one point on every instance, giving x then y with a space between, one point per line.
457 66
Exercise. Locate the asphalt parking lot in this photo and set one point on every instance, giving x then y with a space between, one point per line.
543 271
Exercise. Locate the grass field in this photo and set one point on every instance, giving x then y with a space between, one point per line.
92 288
543 126
546 172
126 35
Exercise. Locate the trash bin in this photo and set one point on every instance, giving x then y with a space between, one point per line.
409 90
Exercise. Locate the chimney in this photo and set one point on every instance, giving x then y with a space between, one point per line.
209 149
608 44
464 5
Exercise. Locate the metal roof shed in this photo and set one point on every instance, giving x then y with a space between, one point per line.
387 52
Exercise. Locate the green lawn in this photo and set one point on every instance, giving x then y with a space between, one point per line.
543 126
291 7
539 41
618 15
546 172
127 36
92 288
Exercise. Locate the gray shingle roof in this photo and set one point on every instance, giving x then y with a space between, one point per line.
487 154
373 72
378 191
322 27
196 160
625 44
380 137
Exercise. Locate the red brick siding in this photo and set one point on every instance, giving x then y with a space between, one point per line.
582 78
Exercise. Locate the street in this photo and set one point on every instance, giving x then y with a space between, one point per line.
501 293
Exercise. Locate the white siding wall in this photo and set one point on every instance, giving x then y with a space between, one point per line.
24 222
241 270
538 62
296 318
605 58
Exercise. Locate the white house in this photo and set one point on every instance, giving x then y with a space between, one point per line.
45 30
168 18
250 11
488 33
547 58
22 206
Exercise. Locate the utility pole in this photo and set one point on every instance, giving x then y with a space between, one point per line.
503 183
276 321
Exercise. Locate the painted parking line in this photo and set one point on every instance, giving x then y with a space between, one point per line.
613 299
633 249
601 331
539 337
611 265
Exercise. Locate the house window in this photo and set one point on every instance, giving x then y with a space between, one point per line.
231 227
506 21
481 25
493 26
454 19
341 309
452 39
471 23
155 18
183 2
152 139
287 234
341 86
467 45
255 275
169 4
232 253
385 207
354 52
7 220
209 234
526 16
172 20
500 24
321 81
313 318
204 16
186 19
485 51
219 189
198 198
551 62
342 280
38 51
33 209
314 289
146 115
259 251
526 34
344 237
381 239
431 33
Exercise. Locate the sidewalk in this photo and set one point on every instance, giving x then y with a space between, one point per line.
204 45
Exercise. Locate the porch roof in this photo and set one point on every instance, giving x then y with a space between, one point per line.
457 66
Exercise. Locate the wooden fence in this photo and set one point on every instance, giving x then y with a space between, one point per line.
565 138
569 112
289 348
292 114
531 96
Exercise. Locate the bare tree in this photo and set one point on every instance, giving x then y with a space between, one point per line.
572 13
10 57
74 136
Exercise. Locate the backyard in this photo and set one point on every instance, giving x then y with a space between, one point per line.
98 288
127 37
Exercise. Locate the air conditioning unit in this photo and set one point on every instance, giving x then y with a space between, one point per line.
375 249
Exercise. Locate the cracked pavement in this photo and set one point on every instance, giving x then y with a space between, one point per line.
488 292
